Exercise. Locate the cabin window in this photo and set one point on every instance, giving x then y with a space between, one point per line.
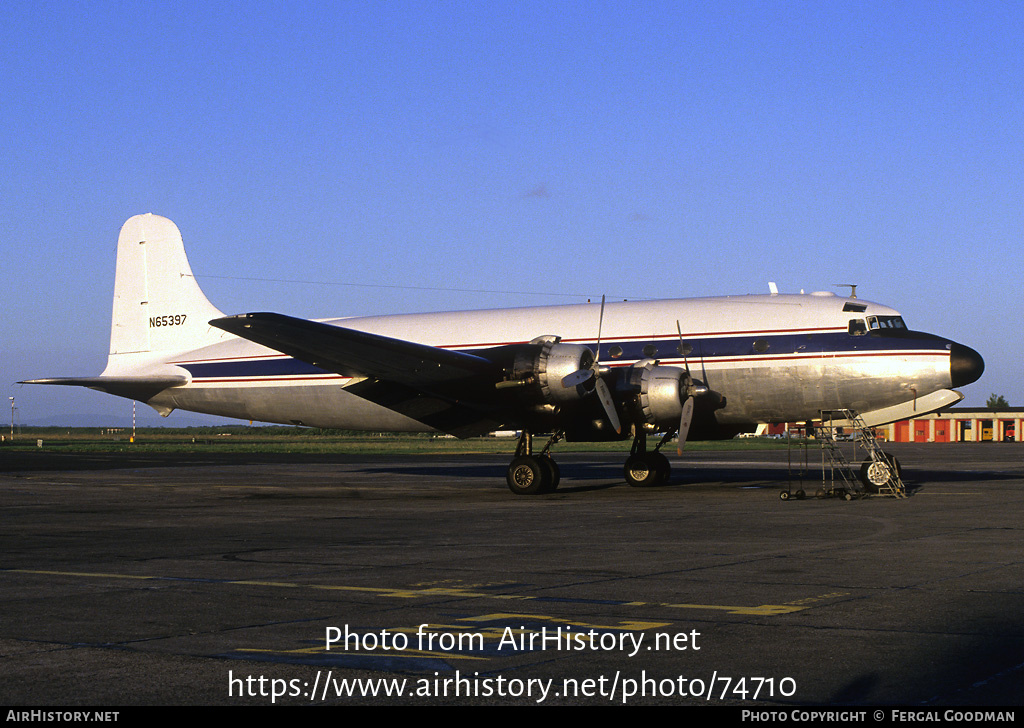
684 348
857 327
615 352
650 351
760 346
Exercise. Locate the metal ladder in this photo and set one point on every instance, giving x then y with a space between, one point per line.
833 461
838 479
880 473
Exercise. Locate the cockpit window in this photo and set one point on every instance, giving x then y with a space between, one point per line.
857 327
878 323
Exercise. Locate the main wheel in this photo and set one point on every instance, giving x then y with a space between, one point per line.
528 476
554 475
640 471
661 465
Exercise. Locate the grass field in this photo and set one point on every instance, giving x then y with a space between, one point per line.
243 439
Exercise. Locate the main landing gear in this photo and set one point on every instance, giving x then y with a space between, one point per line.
647 468
530 474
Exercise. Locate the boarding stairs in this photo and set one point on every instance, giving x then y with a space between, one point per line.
879 473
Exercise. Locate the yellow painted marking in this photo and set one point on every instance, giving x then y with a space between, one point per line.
764 609
813 600
82 573
458 583
761 610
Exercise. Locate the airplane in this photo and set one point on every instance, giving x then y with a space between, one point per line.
700 368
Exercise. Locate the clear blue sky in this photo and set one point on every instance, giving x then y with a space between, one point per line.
635 149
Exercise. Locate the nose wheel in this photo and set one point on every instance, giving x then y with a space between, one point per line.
881 474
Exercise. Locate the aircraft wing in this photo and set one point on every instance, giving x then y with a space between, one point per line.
431 385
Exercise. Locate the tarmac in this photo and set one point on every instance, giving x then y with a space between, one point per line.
157 579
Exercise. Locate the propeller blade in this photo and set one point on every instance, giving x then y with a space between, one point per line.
684 423
578 377
609 406
686 364
703 372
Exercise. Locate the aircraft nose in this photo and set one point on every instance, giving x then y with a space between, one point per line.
965 365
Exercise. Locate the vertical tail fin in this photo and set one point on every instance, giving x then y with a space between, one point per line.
158 306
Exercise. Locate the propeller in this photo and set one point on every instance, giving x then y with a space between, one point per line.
687 416
582 376
605 396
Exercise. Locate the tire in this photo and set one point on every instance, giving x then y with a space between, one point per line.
895 463
528 476
640 471
661 465
554 474
876 474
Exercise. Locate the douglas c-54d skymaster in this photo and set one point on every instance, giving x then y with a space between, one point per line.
704 368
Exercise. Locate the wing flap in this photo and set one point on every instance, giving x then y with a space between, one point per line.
442 413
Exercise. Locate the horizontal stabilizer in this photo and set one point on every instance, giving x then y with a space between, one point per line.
138 388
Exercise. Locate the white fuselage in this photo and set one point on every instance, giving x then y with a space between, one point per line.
773 357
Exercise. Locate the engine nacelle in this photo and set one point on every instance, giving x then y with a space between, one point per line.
658 393
543 364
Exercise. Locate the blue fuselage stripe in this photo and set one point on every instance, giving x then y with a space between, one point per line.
709 349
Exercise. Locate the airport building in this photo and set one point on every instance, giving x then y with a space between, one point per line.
957 424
